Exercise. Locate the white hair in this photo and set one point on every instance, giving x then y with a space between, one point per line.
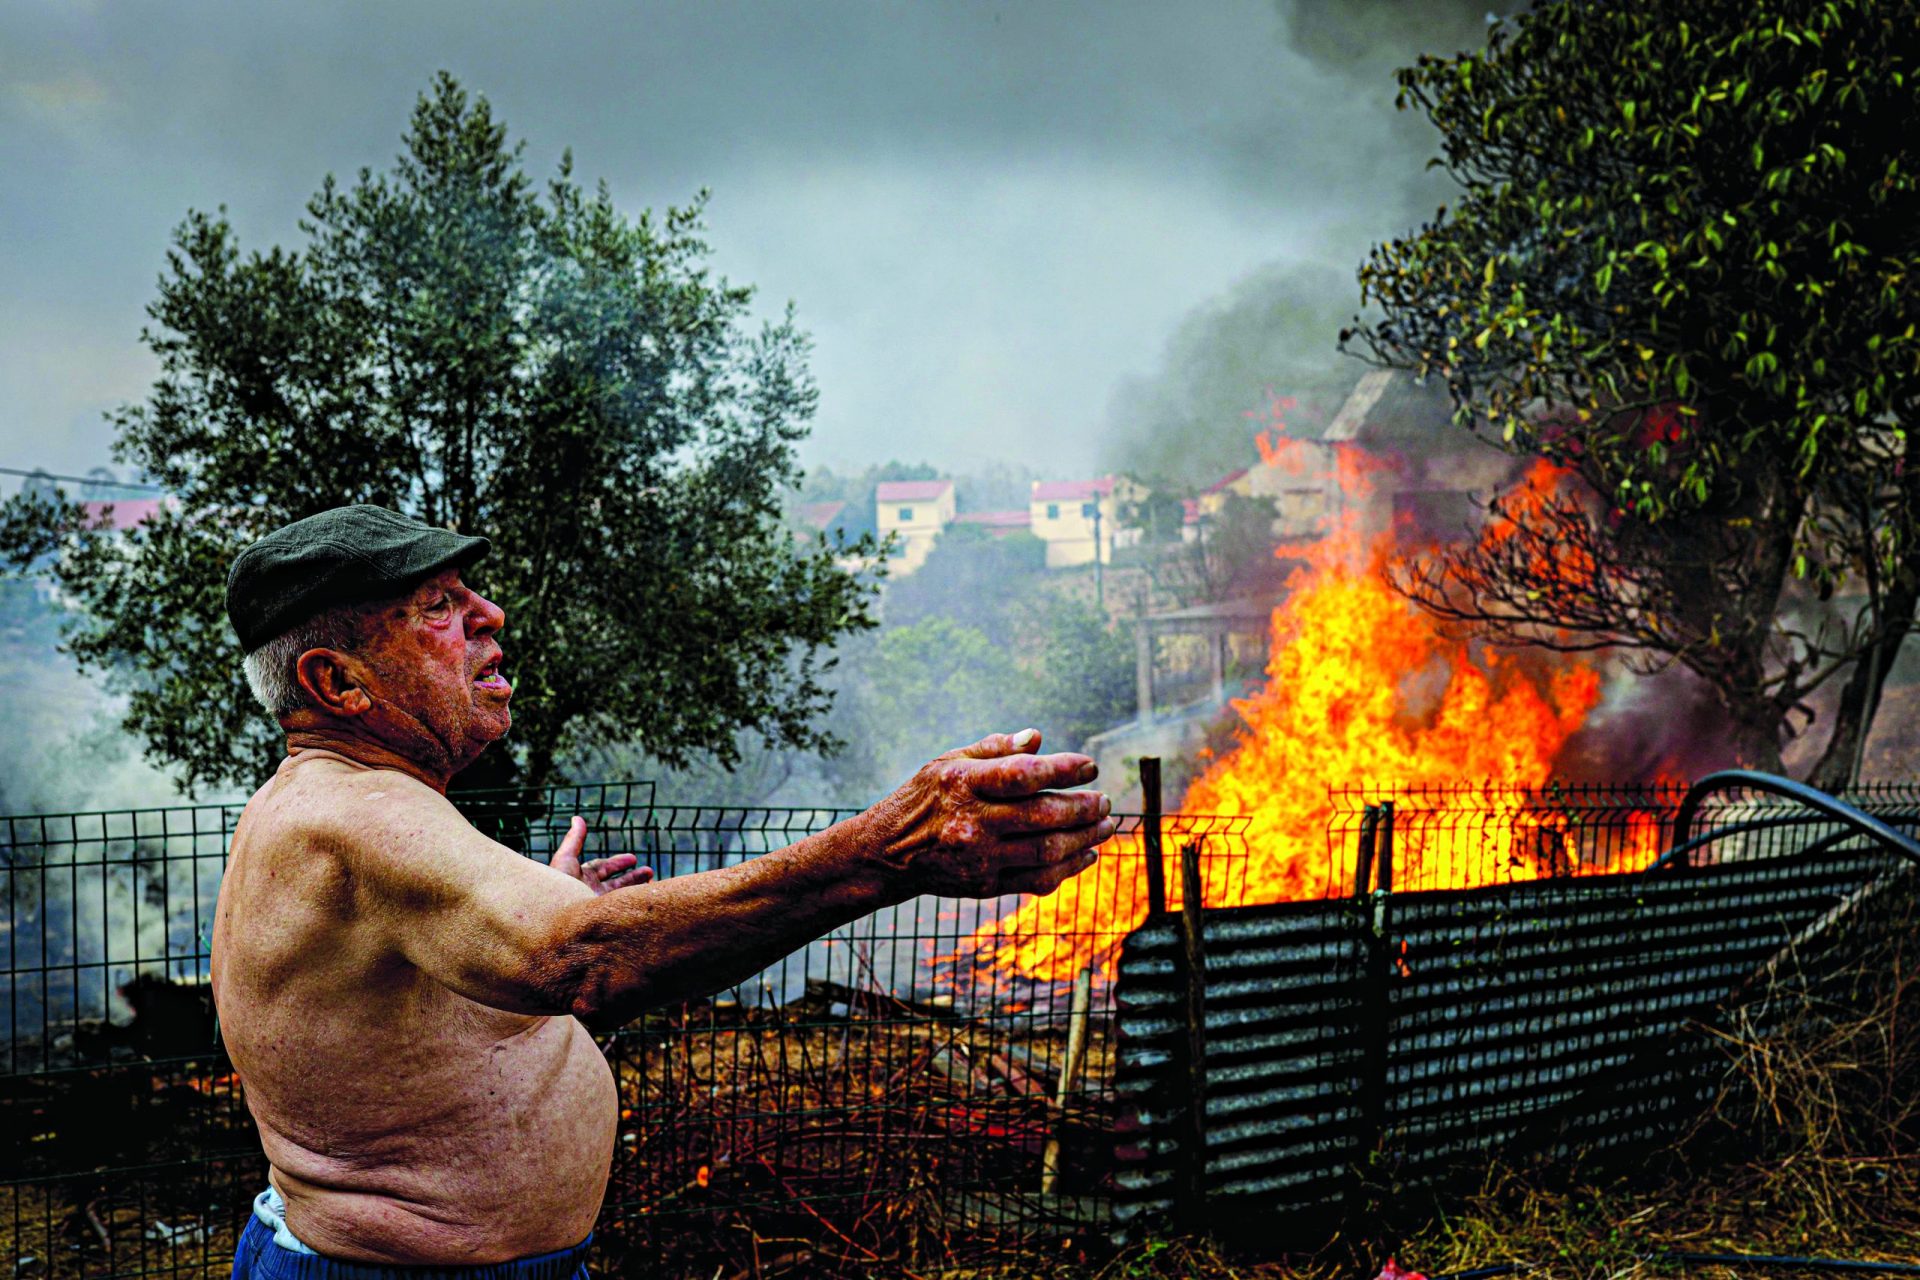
272 669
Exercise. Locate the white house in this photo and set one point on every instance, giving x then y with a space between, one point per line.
916 510
1066 514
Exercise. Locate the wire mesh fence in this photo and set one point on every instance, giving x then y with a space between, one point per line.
1456 836
932 1079
127 1140
935 1081
128 1150
1470 836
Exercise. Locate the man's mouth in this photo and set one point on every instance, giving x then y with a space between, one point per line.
489 677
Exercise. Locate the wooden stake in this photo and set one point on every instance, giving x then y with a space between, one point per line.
1069 1073
1150 837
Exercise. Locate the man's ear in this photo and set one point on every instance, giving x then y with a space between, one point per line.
332 681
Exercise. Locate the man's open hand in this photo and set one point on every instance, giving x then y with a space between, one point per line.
987 820
602 875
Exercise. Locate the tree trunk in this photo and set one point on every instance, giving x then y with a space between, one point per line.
1754 730
1725 581
1860 698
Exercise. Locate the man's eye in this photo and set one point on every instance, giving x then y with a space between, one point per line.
440 605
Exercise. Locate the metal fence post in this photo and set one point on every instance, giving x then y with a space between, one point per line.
1150 837
1195 953
1383 881
1363 859
1377 849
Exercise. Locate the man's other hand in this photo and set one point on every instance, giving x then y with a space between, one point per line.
602 875
987 820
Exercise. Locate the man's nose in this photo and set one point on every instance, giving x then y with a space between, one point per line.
485 617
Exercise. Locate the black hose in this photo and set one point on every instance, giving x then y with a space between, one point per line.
1811 797
1850 1265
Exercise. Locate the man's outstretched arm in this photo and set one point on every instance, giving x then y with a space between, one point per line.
983 821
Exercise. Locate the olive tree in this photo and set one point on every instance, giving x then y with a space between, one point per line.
451 341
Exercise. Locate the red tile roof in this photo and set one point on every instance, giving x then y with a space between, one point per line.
911 490
819 515
1220 484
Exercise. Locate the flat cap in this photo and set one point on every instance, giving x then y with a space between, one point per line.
340 556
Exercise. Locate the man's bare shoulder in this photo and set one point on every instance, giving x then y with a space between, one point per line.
343 794
330 805
393 835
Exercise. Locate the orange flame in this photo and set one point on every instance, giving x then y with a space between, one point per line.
1276 449
1361 687
1352 467
1544 484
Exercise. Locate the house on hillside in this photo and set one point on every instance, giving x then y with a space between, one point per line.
121 515
1068 515
125 513
916 510
1428 476
1301 479
1214 496
1390 460
1208 503
826 521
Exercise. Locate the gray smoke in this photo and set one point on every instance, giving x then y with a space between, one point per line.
1363 177
87 881
1194 418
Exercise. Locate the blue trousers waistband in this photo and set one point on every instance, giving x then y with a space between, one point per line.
257 1257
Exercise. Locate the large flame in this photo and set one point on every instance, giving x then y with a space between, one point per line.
1361 689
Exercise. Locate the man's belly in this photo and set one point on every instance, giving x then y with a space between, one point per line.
501 1154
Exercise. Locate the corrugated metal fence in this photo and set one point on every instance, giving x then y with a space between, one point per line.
1361 1050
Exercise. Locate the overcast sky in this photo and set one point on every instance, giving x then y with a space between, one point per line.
989 217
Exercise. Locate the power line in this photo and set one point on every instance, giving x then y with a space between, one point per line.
93 480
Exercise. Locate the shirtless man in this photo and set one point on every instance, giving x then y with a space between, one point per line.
409 1002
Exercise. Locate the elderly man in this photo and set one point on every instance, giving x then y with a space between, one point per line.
408 1002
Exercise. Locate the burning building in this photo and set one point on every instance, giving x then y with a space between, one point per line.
1390 471
1359 687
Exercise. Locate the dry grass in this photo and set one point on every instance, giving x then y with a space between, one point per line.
83 1229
